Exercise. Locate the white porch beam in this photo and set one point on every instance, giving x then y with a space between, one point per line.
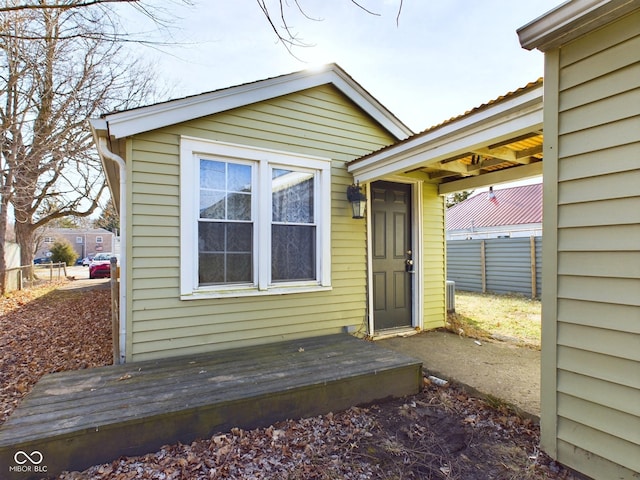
492 178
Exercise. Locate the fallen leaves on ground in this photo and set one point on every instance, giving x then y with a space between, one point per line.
48 330
440 433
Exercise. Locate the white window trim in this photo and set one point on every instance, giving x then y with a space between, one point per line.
99 239
190 151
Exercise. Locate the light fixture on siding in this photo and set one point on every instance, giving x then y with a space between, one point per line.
357 199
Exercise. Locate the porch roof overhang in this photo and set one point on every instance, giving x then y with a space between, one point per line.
497 142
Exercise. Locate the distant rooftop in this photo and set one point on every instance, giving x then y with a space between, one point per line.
510 206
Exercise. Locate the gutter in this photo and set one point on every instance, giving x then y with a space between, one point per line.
105 153
571 20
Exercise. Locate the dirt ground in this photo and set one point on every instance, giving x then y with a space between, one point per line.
499 370
440 433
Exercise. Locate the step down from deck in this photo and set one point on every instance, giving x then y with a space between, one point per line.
72 420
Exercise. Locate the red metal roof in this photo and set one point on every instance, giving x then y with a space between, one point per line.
510 206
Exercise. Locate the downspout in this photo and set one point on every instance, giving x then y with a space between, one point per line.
104 151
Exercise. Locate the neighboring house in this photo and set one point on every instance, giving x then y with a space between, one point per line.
499 213
591 269
84 241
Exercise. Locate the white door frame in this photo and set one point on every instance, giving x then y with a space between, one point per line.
417 291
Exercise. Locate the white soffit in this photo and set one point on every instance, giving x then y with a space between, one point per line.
144 119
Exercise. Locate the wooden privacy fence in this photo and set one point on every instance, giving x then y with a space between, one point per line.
499 265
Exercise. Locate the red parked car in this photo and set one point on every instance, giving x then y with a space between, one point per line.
100 266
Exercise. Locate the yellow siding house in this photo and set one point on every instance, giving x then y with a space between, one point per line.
591 269
236 226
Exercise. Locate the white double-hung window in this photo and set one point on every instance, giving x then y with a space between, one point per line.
253 221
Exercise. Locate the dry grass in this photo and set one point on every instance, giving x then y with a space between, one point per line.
514 318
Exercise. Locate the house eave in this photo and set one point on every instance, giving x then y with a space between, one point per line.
514 115
571 20
131 122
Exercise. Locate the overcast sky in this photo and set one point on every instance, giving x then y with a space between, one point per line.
442 58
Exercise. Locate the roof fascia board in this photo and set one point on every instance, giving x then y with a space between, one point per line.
571 20
512 117
131 122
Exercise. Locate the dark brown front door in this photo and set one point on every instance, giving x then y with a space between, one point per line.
391 237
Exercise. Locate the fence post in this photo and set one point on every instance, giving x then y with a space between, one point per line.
534 285
483 266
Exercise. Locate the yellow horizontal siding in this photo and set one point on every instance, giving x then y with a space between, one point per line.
613 343
601 419
625 318
584 461
622 80
434 264
318 122
576 70
612 290
601 392
596 442
614 211
599 238
621 158
596 314
607 186
601 366
600 264
605 110
606 136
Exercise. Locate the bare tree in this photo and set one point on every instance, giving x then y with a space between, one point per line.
277 14
50 83
40 4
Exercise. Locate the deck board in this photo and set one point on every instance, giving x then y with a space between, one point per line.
80 418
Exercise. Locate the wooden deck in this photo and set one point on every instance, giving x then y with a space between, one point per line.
82 418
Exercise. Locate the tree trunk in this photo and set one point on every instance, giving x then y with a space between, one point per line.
24 238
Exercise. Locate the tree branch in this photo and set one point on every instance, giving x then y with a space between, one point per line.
65 6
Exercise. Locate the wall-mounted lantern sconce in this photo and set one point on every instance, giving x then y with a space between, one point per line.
357 199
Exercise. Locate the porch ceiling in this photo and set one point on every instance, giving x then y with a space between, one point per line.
497 142
523 150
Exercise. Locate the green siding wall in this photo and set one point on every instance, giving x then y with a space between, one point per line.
434 248
319 121
591 351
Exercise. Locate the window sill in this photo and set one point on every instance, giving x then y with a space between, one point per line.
253 292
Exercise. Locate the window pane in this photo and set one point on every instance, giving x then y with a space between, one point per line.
225 190
292 196
293 252
212 174
210 268
225 252
238 178
239 206
212 204
239 268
